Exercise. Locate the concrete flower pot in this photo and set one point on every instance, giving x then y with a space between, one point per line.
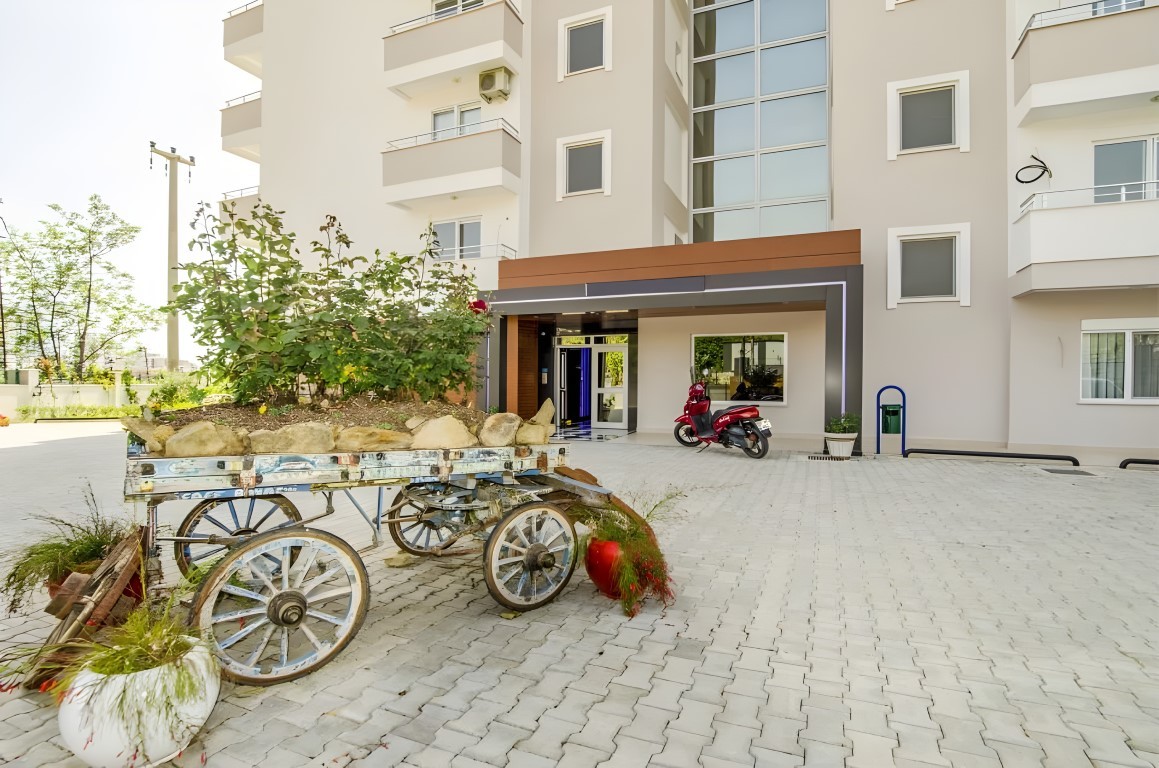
840 444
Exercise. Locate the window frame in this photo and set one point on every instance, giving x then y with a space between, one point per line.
457 130
784 401
1128 326
1150 182
459 221
563 40
586 139
457 7
895 236
959 81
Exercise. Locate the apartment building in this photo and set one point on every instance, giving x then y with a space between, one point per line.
812 199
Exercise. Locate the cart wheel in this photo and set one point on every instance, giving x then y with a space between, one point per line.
530 556
101 600
271 616
231 517
418 537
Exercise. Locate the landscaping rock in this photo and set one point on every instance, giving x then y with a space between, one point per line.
219 399
309 437
154 436
204 438
499 429
533 434
414 422
546 413
371 439
443 432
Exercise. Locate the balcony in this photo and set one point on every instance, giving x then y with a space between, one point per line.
241 126
483 260
243 201
242 37
470 159
1099 237
436 50
1087 58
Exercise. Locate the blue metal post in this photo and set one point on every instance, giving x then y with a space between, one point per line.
903 416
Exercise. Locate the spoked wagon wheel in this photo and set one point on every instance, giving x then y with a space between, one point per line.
530 556
228 517
418 537
282 604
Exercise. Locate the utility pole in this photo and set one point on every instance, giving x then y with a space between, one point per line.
174 160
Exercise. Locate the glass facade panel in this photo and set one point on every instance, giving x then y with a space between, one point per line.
795 120
795 173
927 118
724 30
723 131
794 218
724 225
585 47
722 80
927 268
723 182
794 67
786 19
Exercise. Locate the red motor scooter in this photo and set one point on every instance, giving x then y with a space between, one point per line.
740 426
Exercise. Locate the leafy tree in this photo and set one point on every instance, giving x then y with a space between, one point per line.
387 324
68 303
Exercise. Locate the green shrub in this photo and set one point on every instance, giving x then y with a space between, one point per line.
845 424
34 412
176 391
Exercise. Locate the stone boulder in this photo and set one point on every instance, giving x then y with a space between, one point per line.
414 422
546 413
443 432
218 399
371 440
499 430
204 438
310 437
533 434
155 435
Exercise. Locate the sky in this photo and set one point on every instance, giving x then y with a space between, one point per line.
86 86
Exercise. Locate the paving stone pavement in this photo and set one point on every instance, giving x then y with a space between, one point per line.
875 613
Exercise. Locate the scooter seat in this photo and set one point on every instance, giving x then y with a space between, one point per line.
717 414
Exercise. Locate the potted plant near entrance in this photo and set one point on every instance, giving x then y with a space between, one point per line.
841 433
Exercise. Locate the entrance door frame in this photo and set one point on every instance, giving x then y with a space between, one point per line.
596 390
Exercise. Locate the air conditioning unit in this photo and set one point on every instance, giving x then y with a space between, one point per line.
495 84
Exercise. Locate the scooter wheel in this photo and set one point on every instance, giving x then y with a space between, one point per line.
686 435
755 445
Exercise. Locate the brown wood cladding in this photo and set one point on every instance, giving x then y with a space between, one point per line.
528 389
762 254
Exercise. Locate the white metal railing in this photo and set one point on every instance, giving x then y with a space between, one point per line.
454 10
234 194
453 132
243 8
1104 193
491 251
243 99
1063 14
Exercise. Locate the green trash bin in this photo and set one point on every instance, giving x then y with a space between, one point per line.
891 419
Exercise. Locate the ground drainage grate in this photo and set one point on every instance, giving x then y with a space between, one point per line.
1064 471
827 457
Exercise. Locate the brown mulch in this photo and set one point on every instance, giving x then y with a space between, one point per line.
348 413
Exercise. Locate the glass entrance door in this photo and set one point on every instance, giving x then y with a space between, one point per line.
610 390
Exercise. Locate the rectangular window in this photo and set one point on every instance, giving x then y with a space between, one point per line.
585 47
794 67
786 19
718 81
723 182
794 218
927 118
928 269
743 367
795 173
585 168
723 131
445 8
458 239
455 121
795 120
1121 170
1103 7
724 225
1121 365
928 264
724 30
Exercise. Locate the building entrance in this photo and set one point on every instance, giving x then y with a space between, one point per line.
592 381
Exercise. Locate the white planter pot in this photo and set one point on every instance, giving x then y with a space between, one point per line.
840 444
116 721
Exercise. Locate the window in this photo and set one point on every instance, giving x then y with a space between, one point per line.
928 113
1103 7
455 121
459 239
585 42
445 8
1120 360
584 164
1127 170
743 367
926 264
760 79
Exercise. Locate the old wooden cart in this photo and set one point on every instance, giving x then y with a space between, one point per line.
279 598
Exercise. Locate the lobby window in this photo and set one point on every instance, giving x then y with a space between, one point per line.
928 264
1120 364
583 165
460 239
927 114
743 367
585 42
760 123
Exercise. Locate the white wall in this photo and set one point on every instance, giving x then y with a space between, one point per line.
666 356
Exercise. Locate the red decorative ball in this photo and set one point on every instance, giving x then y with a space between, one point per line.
602 564
478 306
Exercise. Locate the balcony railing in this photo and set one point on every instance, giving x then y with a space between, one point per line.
1083 11
467 252
244 99
454 10
243 8
1105 193
234 194
453 132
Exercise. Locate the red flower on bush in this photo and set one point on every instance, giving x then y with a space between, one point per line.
478 306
